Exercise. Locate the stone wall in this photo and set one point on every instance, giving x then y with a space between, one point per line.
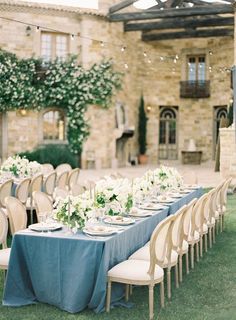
157 79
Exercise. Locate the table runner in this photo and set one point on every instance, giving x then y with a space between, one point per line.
69 271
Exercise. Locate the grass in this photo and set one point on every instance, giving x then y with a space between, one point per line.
207 293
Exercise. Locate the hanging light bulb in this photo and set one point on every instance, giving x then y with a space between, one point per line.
37 29
161 58
126 66
123 49
145 54
102 44
72 36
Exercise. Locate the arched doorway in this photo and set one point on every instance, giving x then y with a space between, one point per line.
219 112
168 140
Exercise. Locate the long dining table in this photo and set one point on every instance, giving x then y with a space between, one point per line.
69 270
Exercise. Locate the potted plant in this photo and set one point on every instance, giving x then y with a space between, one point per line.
142 132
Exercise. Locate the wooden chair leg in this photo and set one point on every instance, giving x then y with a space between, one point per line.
201 240
127 292
176 276
205 241
162 294
108 296
197 251
210 237
169 283
130 290
151 302
217 226
214 234
187 263
180 268
192 256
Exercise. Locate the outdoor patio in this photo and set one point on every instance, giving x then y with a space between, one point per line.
117 159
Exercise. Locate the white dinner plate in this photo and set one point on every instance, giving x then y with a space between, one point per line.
118 220
45 226
151 206
166 200
176 195
140 214
99 231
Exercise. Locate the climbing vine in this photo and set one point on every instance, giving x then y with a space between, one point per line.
32 84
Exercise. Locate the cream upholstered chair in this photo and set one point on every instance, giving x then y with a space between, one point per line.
62 168
22 190
43 203
73 178
171 258
4 252
223 202
17 214
5 191
194 236
47 168
208 219
142 272
62 180
36 185
49 184
183 250
199 222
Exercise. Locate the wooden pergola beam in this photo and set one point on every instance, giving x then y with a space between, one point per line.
178 23
188 34
173 12
121 5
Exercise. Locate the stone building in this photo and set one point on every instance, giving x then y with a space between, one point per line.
160 70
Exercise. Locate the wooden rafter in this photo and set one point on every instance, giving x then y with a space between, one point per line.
173 23
173 12
121 5
217 32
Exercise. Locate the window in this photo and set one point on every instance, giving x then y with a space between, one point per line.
54 45
54 125
196 68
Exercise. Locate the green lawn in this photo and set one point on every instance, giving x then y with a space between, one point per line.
207 293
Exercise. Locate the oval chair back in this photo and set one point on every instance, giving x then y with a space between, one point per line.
62 180
198 213
17 214
42 203
177 228
224 192
22 190
73 178
5 191
47 168
160 242
187 216
3 229
50 183
62 168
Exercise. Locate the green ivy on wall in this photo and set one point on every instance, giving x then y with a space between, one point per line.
30 84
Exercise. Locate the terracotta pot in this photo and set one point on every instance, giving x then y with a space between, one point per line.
142 159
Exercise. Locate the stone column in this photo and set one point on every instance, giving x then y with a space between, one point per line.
228 135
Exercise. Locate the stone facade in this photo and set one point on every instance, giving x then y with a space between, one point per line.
158 79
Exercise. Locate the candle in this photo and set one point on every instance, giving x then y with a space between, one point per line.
69 210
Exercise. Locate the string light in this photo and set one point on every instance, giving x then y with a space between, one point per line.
123 48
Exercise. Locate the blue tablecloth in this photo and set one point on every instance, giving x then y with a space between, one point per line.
69 271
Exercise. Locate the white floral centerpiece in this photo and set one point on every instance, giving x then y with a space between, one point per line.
115 195
74 212
20 167
142 187
168 178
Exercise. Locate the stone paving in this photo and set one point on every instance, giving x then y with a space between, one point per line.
203 174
